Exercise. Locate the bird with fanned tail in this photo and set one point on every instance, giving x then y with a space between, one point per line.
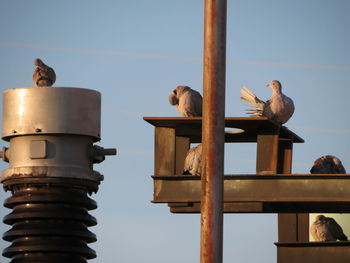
279 108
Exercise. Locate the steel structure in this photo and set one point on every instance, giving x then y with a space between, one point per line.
51 132
272 189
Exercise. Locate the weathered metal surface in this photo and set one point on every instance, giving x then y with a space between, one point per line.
213 131
192 127
285 156
284 208
50 110
313 252
164 151
267 153
317 193
287 227
64 151
227 208
182 145
287 222
295 227
169 151
64 156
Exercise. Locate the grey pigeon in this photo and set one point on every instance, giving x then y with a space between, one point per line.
327 164
187 101
193 161
43 76
327 229
279 108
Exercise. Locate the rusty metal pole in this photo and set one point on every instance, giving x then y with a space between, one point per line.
213 131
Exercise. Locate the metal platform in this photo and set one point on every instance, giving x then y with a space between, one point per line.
191 127
313 252
277 193
273 189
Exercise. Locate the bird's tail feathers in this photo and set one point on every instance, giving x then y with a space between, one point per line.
254 112
257 105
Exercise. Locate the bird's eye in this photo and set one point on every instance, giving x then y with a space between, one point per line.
174 91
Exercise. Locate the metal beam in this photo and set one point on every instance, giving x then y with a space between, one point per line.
213 131
322 190
313 252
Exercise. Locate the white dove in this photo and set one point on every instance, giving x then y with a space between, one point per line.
327 229
43 75
187 101
193 161
327 164
279 108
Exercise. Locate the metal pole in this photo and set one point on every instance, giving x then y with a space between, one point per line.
213 131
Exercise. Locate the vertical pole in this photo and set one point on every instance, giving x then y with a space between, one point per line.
213 131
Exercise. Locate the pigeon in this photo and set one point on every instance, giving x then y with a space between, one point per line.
327 229
193 161
279 108
43 76
327 164
187 101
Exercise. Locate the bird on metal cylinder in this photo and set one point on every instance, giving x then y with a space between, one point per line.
327 229
43 76
187 101
193 161
279 108
327 164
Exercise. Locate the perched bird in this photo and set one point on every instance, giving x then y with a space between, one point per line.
187 101
327 164
327 229
193 161
279 108
43 75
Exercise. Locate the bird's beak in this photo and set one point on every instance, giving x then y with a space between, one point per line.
268 85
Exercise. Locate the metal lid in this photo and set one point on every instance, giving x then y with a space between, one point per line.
51 110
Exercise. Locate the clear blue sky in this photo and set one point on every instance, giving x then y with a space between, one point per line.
135 52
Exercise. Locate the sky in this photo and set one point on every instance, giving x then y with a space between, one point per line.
135 53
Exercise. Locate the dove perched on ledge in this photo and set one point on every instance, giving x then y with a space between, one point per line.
279 108
43 76
327 229
187 101
193 161
327 164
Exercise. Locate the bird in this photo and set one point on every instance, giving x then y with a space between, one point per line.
279 108
193 161
43 75
327 164
327 229
187 101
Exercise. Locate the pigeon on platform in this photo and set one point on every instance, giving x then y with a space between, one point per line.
193 161
279 108
43 76
327 229
327 164
187 101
